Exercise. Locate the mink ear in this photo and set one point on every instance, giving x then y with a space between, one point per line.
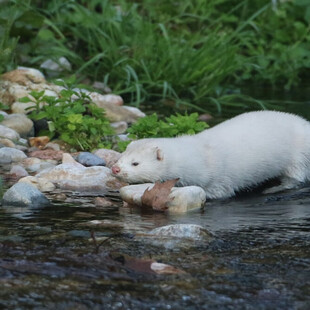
159 154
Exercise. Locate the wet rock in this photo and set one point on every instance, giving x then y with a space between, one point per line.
43 185
8 155
109 156
103 202
18 171
183 199
188 231
8 133
181 236
72 175
22 194
88 159
20 123
33 164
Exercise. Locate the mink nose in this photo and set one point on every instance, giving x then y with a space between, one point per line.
116 169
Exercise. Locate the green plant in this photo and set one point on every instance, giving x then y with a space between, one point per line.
73 117
174 125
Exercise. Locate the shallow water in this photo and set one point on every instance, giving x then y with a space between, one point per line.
259 258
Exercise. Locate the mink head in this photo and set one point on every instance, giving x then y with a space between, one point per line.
141 162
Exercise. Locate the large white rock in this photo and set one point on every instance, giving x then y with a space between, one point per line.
183 200
74 176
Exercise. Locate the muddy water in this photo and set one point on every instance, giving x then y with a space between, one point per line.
259 258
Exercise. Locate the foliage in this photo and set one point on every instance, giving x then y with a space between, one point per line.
3 107
152 127
192 54
73 117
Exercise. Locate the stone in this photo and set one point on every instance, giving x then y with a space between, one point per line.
72 175
18 171
47 154
188 231
103 202
33 164
109 156
60 65
9 154
20 123
39 142
88 159
119 127
22 194
135 111
7 142
183 199
99 99
43 185
8 133
24 76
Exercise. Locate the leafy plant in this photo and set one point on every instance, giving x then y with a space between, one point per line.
174 125
73 117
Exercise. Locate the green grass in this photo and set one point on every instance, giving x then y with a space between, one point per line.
190 54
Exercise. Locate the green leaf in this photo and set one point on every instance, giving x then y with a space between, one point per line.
25 100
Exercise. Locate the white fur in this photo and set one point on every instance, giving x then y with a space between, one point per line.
236 154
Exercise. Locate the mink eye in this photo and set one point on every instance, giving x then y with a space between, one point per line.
135 164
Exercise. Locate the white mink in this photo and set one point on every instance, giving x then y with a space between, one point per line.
239 153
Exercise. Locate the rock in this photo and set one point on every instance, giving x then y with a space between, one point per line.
102 87
20 123
103 202
58 66
183 199
53 146
39 142
109 156
24 76
41 184
181 236
88 159
47 154
7 142
8 133
119 127
18 171
9 154
188 231
72 175
33 164
22 194
135 111
102 100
